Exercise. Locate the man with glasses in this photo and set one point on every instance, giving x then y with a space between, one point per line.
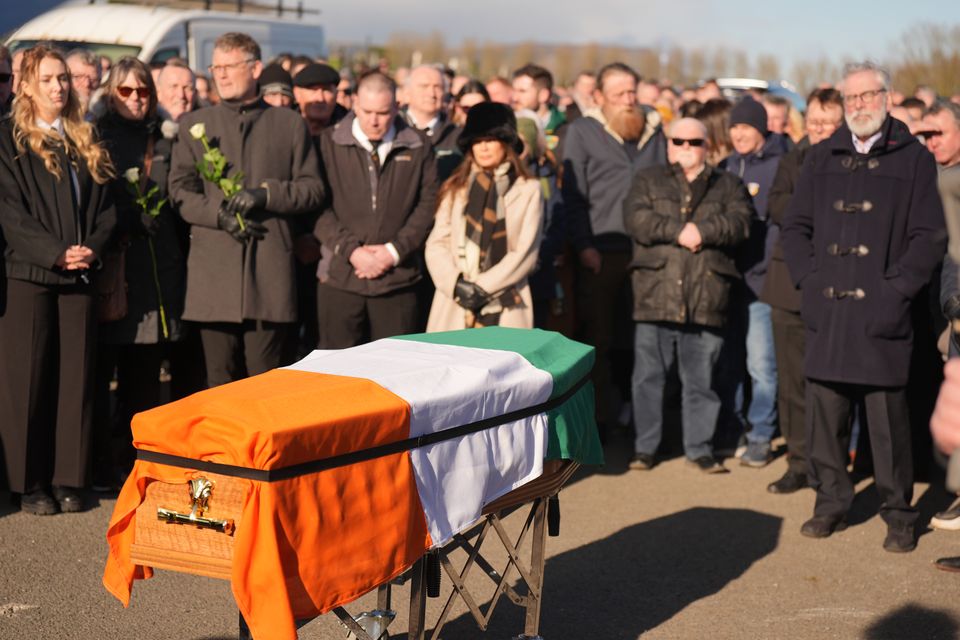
862 236
824 116
424 91
686 220
241 286
84 68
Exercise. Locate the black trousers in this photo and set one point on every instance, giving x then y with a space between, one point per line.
47 351
235 350
605 321
829 408
789 340
348 319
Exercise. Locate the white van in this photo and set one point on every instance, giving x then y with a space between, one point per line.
156 34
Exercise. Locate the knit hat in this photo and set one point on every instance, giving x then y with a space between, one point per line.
750 112
490 120
273 79
317 74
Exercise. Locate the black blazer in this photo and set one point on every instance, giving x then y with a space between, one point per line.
40 216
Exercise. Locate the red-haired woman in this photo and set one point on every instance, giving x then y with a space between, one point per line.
57 217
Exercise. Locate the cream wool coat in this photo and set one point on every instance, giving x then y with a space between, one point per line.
523 206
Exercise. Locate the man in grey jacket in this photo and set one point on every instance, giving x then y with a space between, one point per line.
602 152
240 270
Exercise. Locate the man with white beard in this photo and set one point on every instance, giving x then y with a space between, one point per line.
862 235
686 220
602 151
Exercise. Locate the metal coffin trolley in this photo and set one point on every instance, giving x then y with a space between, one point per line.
353 470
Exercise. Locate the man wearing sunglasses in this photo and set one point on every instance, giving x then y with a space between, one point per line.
685 220
241 285
862 235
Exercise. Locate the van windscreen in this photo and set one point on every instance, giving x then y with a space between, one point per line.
112 51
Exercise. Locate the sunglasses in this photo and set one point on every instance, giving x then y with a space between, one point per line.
142 92
5 77
693 142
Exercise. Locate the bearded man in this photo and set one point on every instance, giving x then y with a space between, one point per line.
602 152
862 235
686 220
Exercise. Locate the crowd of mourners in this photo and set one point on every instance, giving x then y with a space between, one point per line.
767 266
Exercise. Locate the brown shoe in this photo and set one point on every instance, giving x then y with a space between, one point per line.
951 564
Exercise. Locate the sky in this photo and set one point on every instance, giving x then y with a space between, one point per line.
839 29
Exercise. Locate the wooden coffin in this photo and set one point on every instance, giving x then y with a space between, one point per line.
188 548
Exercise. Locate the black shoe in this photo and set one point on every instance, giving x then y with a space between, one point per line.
791 482
951 564
69 499
822 526
708 464
901 538
39 503
642 462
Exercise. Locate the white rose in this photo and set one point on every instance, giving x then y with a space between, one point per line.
132 175
198 131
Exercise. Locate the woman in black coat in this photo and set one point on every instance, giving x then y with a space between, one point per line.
135 344
56 216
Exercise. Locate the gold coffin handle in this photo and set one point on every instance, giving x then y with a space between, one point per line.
200 492
173 517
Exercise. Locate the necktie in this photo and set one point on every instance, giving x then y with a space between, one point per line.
375 154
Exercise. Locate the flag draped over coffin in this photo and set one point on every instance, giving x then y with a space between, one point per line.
314 541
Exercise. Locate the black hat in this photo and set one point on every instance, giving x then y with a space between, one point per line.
750 112
490 120
315 74
273 79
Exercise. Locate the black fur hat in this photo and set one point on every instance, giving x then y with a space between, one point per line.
490 120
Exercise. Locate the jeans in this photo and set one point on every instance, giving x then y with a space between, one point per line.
749 350
696 350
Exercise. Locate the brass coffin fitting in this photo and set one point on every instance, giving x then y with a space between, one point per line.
200 490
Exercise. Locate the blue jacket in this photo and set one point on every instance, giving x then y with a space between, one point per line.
757 170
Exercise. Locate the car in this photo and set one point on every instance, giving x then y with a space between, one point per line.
155 34
733 88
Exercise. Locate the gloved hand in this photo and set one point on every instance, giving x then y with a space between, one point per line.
231 223
469 296
243 202
149 223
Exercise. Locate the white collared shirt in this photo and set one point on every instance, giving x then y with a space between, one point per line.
57 125
427 128
383 149
865 145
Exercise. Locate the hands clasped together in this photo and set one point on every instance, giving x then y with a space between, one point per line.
690 238
371 261
76 257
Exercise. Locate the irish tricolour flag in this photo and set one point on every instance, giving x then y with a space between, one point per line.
359 460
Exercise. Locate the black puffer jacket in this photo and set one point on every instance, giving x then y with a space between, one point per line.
670 283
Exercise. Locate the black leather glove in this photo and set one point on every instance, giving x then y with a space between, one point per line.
469 296
150 224
243 202
230 223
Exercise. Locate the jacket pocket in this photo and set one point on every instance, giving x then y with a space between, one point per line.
889 313
647 279
812 301
715 287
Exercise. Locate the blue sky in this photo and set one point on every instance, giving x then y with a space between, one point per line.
839 29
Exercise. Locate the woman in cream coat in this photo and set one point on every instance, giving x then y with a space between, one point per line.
486 236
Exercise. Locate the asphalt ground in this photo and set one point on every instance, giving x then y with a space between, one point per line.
667 553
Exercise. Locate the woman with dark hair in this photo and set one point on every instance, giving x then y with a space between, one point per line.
471 93
486 235
715 115
57 218
154 266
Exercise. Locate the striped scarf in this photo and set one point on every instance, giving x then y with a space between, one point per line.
488 231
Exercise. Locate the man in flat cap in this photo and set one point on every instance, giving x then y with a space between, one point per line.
276 86
315 90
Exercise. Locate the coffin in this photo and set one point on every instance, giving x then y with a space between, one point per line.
337 473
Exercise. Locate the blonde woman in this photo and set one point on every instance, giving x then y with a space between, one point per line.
486 236
56 217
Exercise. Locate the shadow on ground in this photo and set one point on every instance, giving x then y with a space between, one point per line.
641 576
914 621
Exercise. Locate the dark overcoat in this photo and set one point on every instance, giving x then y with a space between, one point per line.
230 281
862 235
671 283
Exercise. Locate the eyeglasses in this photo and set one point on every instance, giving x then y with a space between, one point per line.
223 68
934 133
5 77
85 77
142 92
693 142
866 97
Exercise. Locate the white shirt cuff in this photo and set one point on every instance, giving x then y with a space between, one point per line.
393 252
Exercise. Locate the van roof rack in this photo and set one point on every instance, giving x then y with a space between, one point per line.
238 6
